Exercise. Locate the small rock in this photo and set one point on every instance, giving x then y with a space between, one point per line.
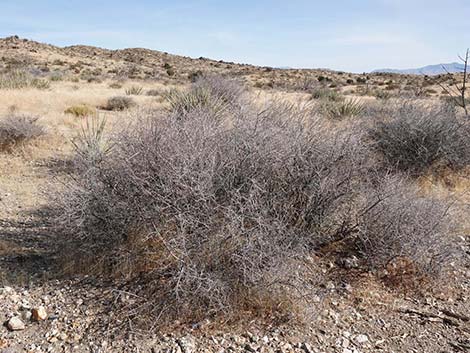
26 315
39 314
306 347
15 324
361 339
250 349
187 344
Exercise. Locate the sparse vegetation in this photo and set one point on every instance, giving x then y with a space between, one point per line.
18 79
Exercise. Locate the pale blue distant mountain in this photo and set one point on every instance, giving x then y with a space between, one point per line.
427 70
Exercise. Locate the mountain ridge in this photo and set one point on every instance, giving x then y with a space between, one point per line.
430 70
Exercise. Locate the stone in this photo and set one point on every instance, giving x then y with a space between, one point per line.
361 339
26 315
187 344
39 313
15 324
306 347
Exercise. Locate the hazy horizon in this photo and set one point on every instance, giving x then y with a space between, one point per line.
355 37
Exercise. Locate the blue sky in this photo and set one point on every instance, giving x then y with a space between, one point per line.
349 35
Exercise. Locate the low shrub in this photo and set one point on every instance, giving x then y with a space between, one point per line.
414 137
119 103
17 129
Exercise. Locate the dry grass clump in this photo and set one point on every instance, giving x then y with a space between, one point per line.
414 137
119 103
18 79
80 111
213 212
15 130
134 91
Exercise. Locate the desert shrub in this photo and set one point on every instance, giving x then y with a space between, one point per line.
134 91
342 109
40 83
119 103
414 137
406 233
80 111
327 94
18 129
213 215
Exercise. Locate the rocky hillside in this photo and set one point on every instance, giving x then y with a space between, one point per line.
95 64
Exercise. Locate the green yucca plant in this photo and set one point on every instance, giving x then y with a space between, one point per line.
347 108
183 102
90 144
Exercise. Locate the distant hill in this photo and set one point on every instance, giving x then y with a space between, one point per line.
427 70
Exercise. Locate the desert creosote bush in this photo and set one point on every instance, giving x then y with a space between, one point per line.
214 212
